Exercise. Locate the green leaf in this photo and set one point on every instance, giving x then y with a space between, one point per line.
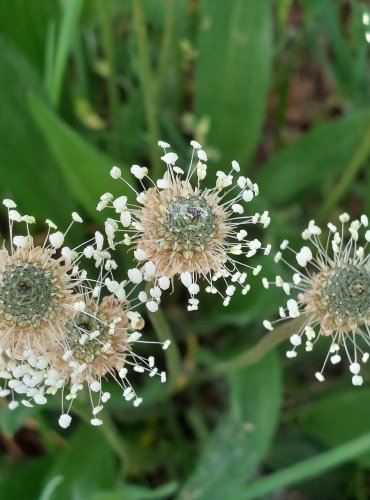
25 24
71 11
313 160
343 58
310 468
85 169
50 487
233 74
23 481
242 438
12 420
326 421
136 492
86 466
27 173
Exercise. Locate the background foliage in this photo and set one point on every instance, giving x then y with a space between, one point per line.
283 87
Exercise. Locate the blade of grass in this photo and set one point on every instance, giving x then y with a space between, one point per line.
49 54
54 78
306 469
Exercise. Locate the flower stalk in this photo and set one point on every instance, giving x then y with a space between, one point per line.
173 358
147 81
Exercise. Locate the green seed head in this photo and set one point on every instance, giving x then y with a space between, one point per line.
345 293
190 221
27 295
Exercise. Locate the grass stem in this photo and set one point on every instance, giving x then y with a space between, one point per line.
147 84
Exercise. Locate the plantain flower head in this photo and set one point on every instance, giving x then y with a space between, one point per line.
37 284
330 289
41 287
100 343
178 228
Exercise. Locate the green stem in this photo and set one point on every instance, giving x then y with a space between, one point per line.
307 468
173 358
253 355
108 429
114 439
247 358
108 43
350 172
147 83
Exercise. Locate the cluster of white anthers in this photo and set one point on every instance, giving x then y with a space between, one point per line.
177 228
58 331
332 283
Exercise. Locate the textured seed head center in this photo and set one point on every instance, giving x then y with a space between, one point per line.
91 348
190 220
27 294
345 294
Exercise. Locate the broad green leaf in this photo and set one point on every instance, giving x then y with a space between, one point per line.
28 173
86 466
314 160
242 438
85 169
232 74
336 418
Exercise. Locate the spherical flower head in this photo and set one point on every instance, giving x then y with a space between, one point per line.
97 342
100 343
37 286
340 298
333 293
35 297
49 312
183 230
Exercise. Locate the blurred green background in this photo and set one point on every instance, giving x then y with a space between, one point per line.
282 87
